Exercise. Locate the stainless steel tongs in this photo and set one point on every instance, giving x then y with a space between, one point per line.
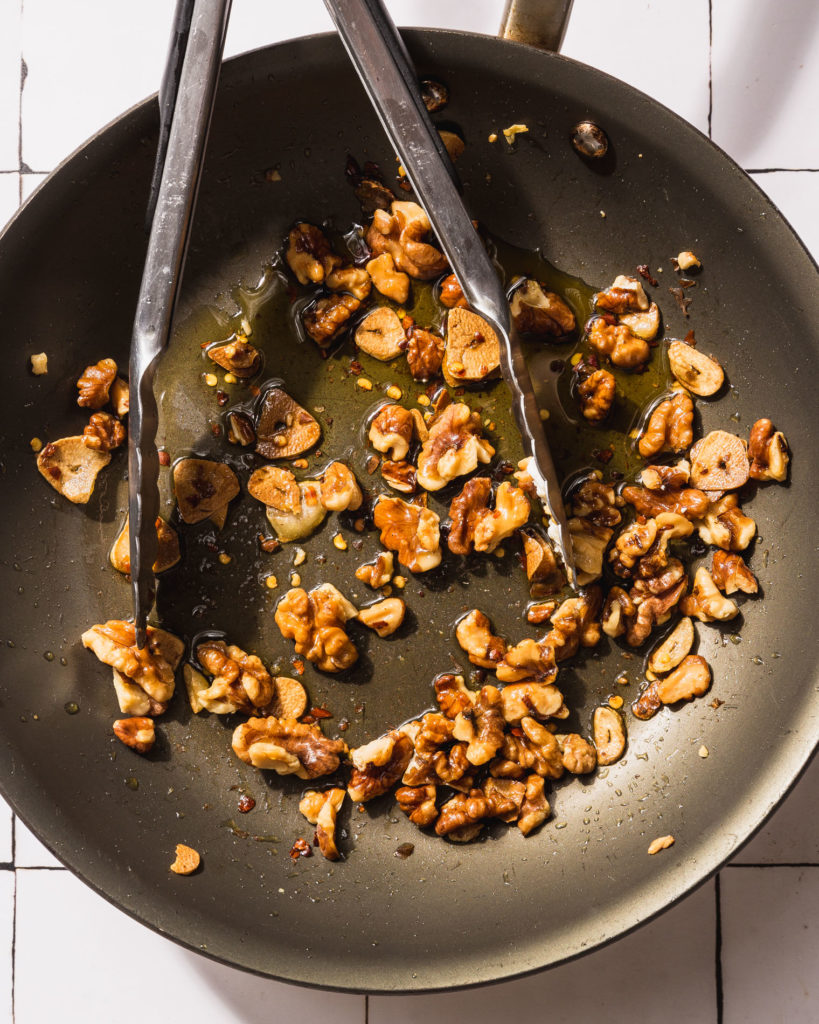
186 104
384 66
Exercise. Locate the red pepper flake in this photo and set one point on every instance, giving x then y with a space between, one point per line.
717 703
343 725
246 803
646 275
603 455
321 713
459 392
216 429
164 458
301 848
689 339
268 544
404 851
405 185
516 732
298 666
222 398
359 708
407 323
355 367
204 344
308 720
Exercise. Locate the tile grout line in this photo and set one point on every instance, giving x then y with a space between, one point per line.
366 1009
778 864
710 58
718 948
779 170
23 75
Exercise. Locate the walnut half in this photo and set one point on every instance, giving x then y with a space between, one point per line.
412 531
315 622
287 747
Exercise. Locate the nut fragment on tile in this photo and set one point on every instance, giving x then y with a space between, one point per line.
187 860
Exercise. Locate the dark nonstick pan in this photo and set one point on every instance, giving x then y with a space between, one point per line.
448 915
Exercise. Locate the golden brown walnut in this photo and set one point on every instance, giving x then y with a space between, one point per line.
401 233
541 564
203 487
472 348
391 431
411 531
378 765
669 427
540 612
618 610
315 622
387 279
596 394
575 623
284 429
329 316
71 467
511 512
538 311
698 372
666 478
609 734
186 860
464 512
452 694
673 649
381 335
648 703
644 323
535 807
688 502
589 543
354 280
120 398
768 452
339 488
240 681
437 761
275 487
454 447
451 294
151 668
705 602
725 525
535 750
719 462
238 357
481 726
474 634
305 520
537 700
384 616
690 679
103 432
508 796
425 353
401 476
378 573
597 502
624 295
618 343
578 755
528 660
137 733
95 383
730 574
287 747
321 809
460 817
418 803
167 553
308 254
653 599
220 697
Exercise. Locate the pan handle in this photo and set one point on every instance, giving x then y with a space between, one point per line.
540 23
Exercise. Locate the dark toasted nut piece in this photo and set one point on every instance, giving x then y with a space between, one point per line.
167 554
399 475
511 512
354 280
388 280
238 357
275 487
464 512
630 546
453 448
151 669
284 428
768 452
481 726
597 502
719 462
688 502
474 634
305 520
472 349
241 683
71 467
730 574
451 294
137 733
401 234
381 335
391 431
240 429
596 394
378 573
95 383
308 254
418 803
410 530
617 611
203 486
589 139
609 735
373 195
673 649
666 478
383 616
425 353
540 612
329 317
538 311
339 488
452 694
697 371
725 525
645 324
119 397
315 622
575 623
670 426
434 94
690 679
378 765
625 295
617 342
705 602
535 807
648 703
187 860
321 810
578 755
530 698
103 432
287 747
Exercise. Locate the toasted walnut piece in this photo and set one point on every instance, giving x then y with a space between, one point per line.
705 602
661 842
387 279
240 681
630 546
726 526
354 280
464 512
719 462
690 679
418 803
579 756
511 512
575 623
540 612
597 502
329 316
454 447
596 394
308 254
275 487
539 556
71 467
730 574
425 353
321 810
151 668
187 860
589 543
95 384
287 747
537 700
339 488
137 733
644 325
535 807
648 703
528 660
609 735
384 616
697 371
238 357
452 694
617 611
508 796
460 816
541 312
401 476
381 335
400 233
472 348
768 452
378 765
203 486
103 432
688 502
536 749
240 429
481 726
474 634
669 427
119 396
618 343
315 622
673 649
688 261
666 478
410 530
391 431
167 554
378 573
284 429
625 295
451 294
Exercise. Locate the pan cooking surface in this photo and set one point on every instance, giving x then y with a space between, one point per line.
448 915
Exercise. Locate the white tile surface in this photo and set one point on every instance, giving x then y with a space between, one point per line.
765 81
6 940
29 182
796 193
29 852
10 67
9 195
769 955
101 978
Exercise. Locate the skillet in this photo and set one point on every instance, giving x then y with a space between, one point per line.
447 916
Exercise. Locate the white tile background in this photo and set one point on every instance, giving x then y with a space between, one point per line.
745 947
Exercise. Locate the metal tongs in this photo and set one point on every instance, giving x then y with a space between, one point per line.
186 103
384 66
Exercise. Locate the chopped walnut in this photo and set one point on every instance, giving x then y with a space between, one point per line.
384 616
315 622
705 602
203 487
481 726
186 860
454 447
535 807
354 280
768 452
618 343
618 610
609 735
644 324
339 488
653 599
578 755
625 295
460 817
528 660
308 254
95 384
688 502
418 803
120 397
452 694
275 487
401 234
425 353
238 357
329 316
596 393
387 279
666 478
537 311
72 467
673 649
730 574
378 573
167 553
540 612
381 335
378 765
412 531
464 512
508 795
304 520
511 512
103 432
690 679
472 348
240 681
589 543
670 426
391 431
692 368
150 669
648 703
575 623
321 810
451 294
401 476
725 525
535 750
474 634
597 502
137 733
287 747
284 429
537 700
